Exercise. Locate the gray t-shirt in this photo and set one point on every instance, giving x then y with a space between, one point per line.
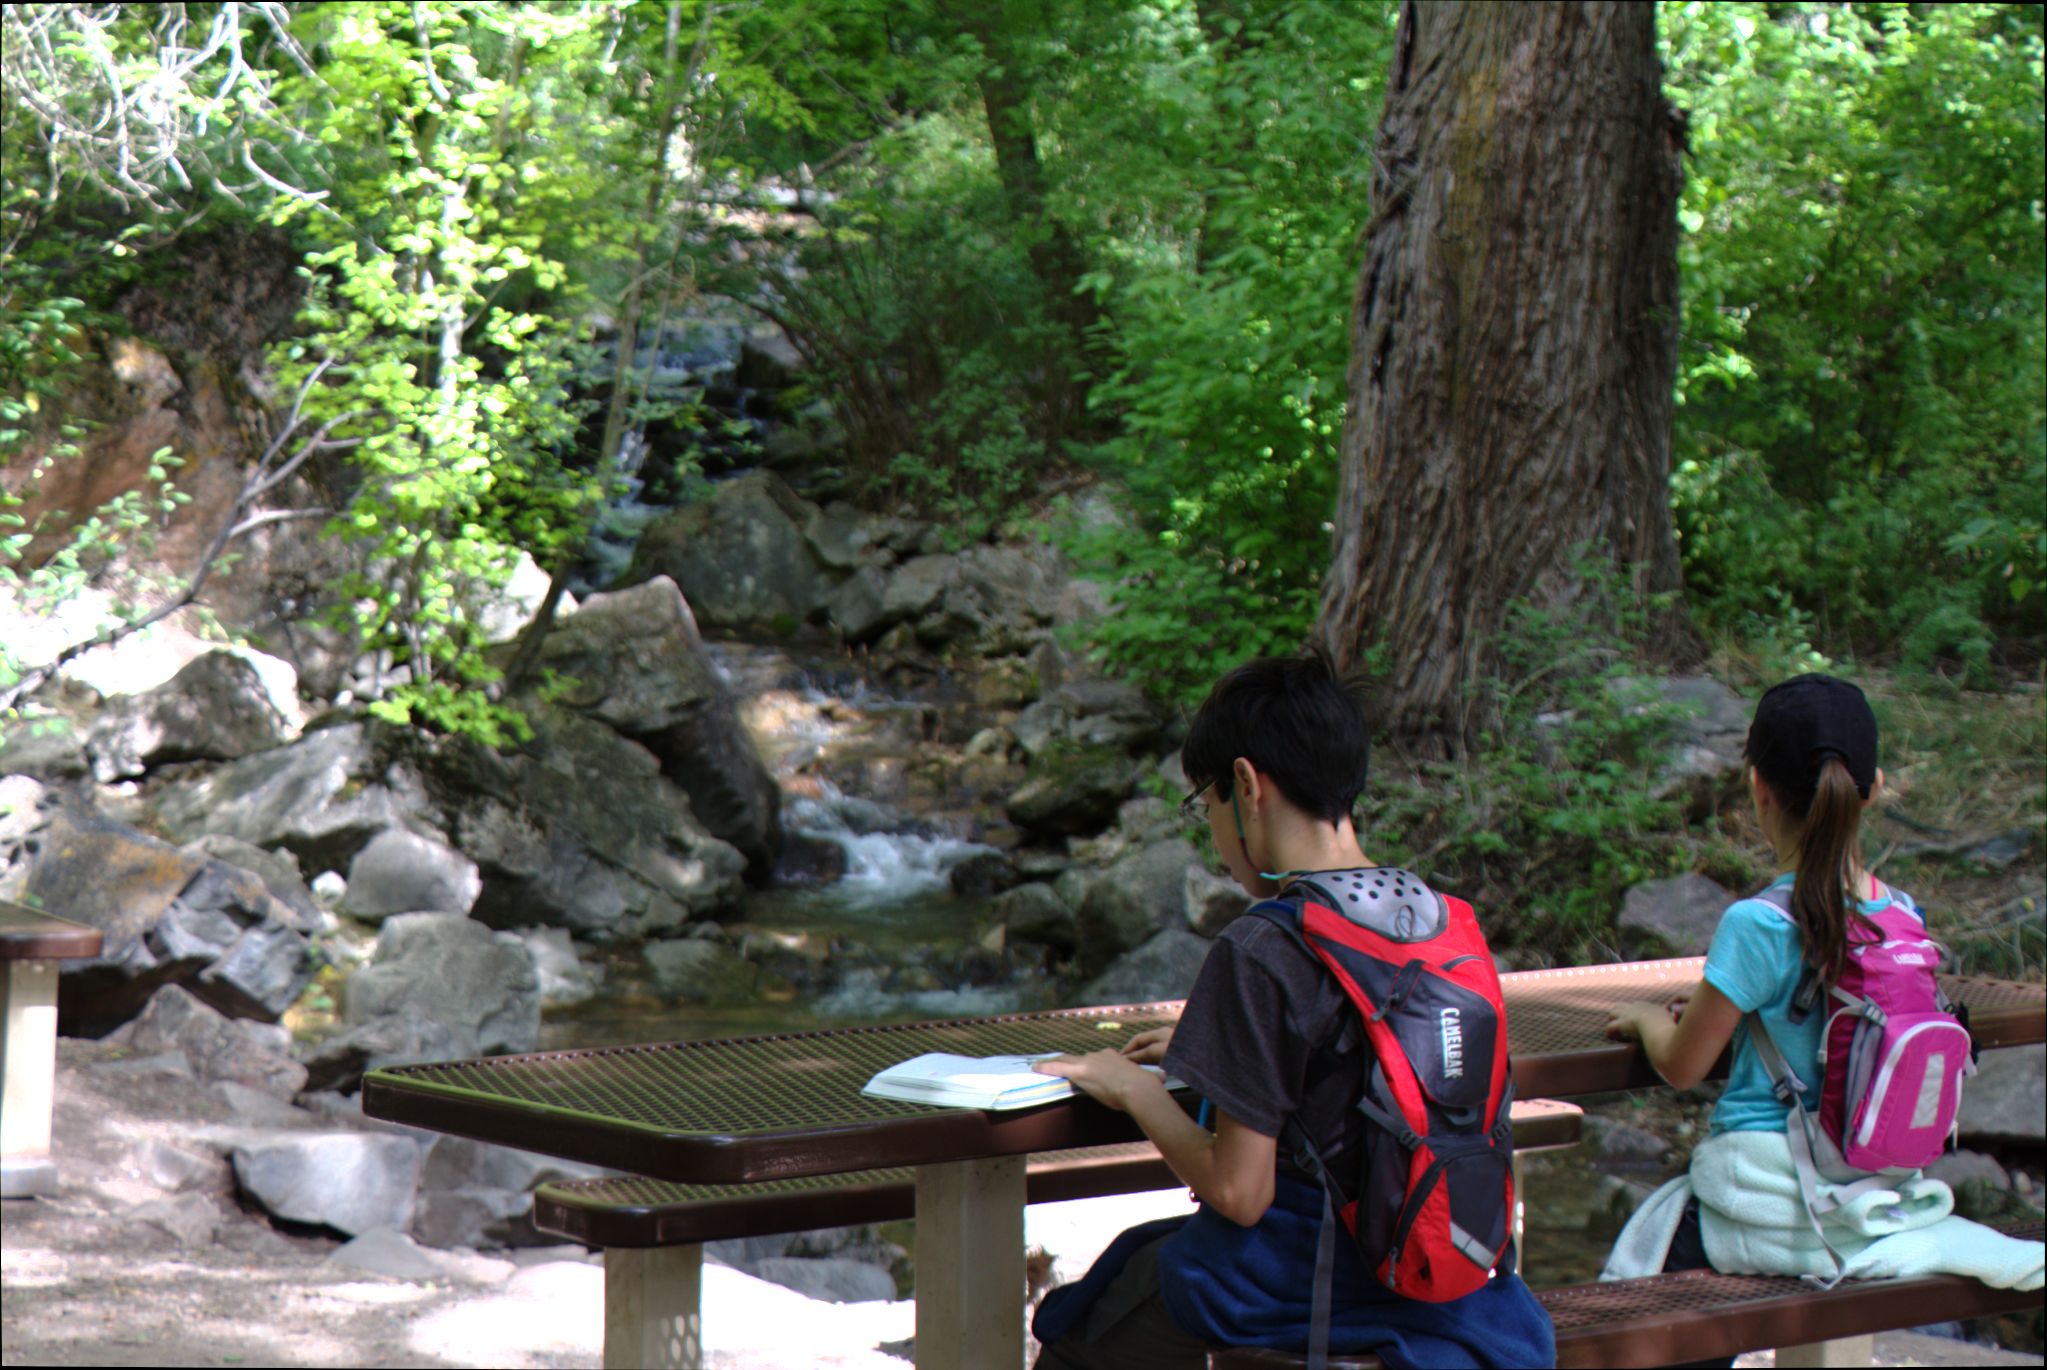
1260 1036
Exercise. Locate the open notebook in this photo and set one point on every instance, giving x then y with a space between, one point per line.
998 1082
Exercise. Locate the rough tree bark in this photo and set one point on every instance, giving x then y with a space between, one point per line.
1513 340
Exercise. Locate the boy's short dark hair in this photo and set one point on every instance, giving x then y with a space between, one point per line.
1294 719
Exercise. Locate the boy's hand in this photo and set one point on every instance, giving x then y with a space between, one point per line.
1148 1048
1107 1075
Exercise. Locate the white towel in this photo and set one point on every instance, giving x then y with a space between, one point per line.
1753 1219
1644 1244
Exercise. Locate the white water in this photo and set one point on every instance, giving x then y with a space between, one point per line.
885 864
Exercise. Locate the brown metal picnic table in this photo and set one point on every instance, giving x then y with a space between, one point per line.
31 944
788 1105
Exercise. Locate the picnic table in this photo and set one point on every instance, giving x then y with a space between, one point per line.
31 944
786 1106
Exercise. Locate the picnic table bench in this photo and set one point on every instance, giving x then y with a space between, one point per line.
1697 1314
654 1230
31 943
785 1107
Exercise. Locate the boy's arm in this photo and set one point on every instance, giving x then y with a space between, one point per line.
1230 1169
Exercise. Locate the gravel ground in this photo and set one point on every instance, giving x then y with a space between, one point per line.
115 1271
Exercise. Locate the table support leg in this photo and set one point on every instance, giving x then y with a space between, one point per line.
1856 1351
1520 1218
652 1308
28 1076
970 1258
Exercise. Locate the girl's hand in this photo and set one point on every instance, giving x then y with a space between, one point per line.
1625 1024
1148 1048
1107 1075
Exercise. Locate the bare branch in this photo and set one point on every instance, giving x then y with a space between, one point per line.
239 521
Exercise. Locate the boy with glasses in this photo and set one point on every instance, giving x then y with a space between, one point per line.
1277 757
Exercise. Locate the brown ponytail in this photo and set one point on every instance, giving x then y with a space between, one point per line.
1820 898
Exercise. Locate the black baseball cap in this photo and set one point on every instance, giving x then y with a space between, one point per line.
1802 722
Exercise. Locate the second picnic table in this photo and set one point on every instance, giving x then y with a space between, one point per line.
789 1105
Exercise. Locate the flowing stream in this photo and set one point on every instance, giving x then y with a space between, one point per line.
886 940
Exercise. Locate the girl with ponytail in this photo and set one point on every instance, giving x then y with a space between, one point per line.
1812 768
1769 1191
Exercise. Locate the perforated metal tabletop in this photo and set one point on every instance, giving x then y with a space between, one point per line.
777 1107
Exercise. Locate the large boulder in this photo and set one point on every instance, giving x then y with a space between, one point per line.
983 601
336 1064
27 808
918 585
219 707
453 970
579 829
479 1195
170 917
1163 968
1709 727
1136 897
1107 713
639 665
859 607
322 797
1213 902
1072 793
277 869
45 743
408 872
844 538
218 1049
699 970
1674 917
740 556
2007 1098
1035 914
1097 716
350 1181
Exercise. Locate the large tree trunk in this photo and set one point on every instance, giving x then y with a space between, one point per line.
1055 258
1513 340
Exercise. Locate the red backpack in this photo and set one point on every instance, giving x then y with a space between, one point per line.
1430 1213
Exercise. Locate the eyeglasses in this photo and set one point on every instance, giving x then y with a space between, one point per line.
1193 811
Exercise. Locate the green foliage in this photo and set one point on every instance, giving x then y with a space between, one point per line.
416 344
927 326
1232 311
1862 435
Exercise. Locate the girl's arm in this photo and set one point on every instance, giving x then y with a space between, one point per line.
1683 1049
1230 1169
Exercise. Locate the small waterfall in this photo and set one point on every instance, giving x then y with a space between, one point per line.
888 862
618 525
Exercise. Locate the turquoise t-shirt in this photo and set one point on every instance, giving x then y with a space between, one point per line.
1756 959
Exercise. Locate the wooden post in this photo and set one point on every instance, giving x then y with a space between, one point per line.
1842 1351
28 1076
970 1265
653 1302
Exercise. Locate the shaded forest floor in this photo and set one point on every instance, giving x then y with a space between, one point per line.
1546 845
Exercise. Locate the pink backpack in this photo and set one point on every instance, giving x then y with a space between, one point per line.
1891 1060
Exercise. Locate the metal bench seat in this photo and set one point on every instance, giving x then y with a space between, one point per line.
654 1230
630 1211
1700 1314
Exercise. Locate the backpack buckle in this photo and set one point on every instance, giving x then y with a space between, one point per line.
1402 986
